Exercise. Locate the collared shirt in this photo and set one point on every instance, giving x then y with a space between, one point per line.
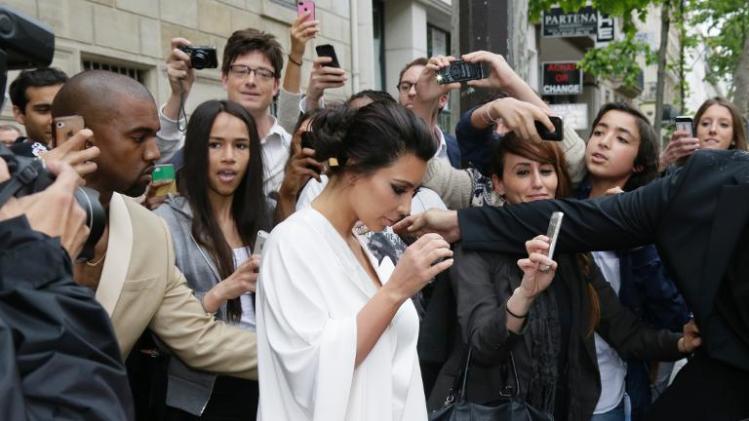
442 147
275 148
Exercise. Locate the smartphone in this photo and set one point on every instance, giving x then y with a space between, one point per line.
327 50
66 127
304 7
684 123
557 135
461 71
164 173
555 225
260 239
307 140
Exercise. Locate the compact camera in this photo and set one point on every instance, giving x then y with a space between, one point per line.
201 57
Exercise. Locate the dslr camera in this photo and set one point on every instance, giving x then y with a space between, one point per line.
29 176
201 57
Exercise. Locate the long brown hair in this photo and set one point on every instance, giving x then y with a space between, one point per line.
739 129
550 153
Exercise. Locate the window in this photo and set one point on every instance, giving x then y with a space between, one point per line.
378 27
438 43
136 72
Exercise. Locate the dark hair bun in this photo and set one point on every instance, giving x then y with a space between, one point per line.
369 138
328 132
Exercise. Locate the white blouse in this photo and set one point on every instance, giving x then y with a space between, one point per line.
311 289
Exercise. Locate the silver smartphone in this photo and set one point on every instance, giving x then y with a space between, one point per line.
684 123
260 239
555 225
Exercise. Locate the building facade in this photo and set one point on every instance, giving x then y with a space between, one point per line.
133 36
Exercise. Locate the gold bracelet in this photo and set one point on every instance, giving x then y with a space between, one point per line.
291 59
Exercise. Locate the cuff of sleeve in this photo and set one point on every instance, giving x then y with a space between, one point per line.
303 104
170 128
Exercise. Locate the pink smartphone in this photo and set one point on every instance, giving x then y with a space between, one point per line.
304 7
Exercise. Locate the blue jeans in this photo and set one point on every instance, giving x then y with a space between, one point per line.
622 412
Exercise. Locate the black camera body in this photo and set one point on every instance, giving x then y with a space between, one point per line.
29 176
201 57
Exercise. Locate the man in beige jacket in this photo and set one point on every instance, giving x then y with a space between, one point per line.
133 270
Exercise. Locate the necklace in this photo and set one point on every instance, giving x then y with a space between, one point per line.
95 263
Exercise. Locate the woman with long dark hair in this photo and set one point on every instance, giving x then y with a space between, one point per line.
214 224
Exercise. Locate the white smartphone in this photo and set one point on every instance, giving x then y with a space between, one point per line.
555 225
684 123
260 243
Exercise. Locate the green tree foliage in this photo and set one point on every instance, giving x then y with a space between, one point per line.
727 24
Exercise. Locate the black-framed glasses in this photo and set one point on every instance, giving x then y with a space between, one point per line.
243 72
405 86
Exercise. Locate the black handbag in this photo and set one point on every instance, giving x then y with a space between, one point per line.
508 407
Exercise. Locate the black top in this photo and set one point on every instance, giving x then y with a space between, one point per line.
732 302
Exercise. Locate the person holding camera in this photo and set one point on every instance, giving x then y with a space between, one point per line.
251 74
132 269
58 353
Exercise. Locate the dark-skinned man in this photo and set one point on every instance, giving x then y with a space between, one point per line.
133 271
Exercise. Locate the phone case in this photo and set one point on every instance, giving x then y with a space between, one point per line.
66 127
327 50
557 135
461 71
306 6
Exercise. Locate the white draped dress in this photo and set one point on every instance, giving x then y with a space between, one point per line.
311 288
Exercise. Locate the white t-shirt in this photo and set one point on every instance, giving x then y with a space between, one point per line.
611 367
247 321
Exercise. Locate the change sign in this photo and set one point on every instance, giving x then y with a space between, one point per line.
562 78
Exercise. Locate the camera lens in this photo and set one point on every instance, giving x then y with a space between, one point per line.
198 59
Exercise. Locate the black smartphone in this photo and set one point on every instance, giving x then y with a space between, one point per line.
461 71
327 50
557 135
307 140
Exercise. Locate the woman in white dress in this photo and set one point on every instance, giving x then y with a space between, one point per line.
336 332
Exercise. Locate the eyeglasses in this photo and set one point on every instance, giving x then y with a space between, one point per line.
243 72
405 86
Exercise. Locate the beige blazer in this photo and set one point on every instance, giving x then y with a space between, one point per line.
141 287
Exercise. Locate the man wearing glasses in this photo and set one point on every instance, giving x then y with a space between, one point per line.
250 74
448 146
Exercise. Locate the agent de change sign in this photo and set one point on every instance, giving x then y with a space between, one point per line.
562 78
585 22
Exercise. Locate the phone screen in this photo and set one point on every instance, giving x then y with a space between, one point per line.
555 225
684 124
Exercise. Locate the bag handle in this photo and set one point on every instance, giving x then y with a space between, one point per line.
462 380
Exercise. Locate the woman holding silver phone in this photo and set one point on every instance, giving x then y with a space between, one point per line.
541 310
216 225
